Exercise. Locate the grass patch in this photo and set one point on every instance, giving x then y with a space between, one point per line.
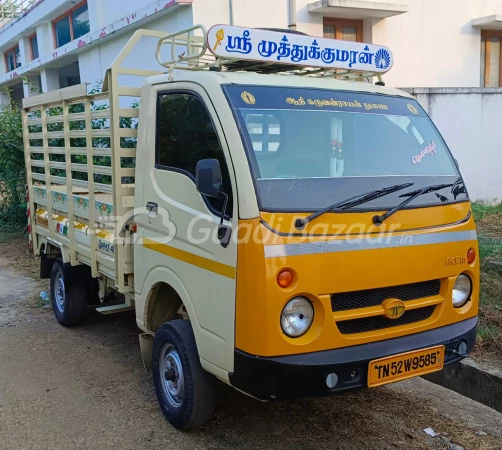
487 333
481 210
490 311
8 234
489 247
489 225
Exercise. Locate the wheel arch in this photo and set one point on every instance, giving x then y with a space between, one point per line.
54 250
163 302
48 254
162 295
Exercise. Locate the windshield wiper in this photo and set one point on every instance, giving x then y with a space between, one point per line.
353 201
378 220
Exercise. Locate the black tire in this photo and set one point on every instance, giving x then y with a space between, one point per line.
69 299
199 394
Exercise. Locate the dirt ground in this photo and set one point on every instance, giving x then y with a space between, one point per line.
85 388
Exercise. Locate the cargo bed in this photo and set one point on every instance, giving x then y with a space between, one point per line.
80 152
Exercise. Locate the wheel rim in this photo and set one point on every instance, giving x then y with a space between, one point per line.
171 374
59 292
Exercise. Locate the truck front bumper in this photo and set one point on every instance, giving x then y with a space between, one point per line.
304 375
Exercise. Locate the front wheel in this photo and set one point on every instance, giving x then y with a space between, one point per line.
185 391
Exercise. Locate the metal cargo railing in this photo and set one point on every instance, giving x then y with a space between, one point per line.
75 145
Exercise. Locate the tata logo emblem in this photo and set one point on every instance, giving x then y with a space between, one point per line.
394 308
248 98
455 260
412 108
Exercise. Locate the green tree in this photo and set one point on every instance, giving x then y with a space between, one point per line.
12 167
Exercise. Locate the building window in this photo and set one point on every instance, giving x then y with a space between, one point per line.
491 58
343 29
71 25
34 46
13 58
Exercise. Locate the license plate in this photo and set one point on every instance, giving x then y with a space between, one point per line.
405 365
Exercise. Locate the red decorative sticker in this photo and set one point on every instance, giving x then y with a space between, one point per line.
429 150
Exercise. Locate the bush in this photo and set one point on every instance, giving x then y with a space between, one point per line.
12 167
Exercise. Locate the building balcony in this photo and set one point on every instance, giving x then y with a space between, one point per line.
493 22
12 10
358 9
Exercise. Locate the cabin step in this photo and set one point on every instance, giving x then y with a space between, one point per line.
115 308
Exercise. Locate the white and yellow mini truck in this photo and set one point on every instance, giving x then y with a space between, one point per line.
276 221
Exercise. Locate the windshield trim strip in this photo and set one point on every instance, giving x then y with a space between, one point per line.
368 209
347 245
282 234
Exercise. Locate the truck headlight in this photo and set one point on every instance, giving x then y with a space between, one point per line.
297 317
461 290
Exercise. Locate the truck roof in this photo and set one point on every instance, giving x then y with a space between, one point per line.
206 77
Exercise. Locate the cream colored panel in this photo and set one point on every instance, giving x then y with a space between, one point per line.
175 245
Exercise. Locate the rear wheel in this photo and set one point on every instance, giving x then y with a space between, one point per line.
185 391
68 294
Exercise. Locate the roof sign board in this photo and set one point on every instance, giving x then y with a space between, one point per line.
294 49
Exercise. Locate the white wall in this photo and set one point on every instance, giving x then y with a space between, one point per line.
306 22
260 13
109 11
94 62
434 44
256 13
469 120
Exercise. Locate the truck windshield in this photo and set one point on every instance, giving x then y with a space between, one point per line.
309 148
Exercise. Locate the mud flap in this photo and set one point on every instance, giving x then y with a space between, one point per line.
146 346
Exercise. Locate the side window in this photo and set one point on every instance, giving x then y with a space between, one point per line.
186 135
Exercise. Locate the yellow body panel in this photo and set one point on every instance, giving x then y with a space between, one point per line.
260 300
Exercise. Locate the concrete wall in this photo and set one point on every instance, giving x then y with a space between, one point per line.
108 11
94 62
469 120
434 44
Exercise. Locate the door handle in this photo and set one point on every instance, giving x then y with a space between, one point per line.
152 207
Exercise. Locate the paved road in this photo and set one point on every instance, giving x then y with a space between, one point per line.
85 388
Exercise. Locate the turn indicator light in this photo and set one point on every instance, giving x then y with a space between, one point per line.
285 278
471 256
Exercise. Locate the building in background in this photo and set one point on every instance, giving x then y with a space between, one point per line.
447 52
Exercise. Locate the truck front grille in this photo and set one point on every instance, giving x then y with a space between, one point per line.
381 322
373 297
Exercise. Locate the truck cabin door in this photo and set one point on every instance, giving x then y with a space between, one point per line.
179 228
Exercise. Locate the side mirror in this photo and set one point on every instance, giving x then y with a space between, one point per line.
208 177
208 182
